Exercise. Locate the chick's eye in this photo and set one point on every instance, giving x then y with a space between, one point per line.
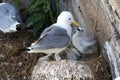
69 18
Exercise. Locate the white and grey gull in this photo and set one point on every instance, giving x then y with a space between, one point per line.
56 37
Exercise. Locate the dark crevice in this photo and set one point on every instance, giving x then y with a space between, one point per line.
96 24
117 35
113 22
117 14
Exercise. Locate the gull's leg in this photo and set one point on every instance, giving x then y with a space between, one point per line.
46 57
57 57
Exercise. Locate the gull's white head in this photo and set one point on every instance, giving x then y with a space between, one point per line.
66 18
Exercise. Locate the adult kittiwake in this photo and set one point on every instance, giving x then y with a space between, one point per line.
56 37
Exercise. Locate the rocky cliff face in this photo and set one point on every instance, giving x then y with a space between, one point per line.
103 18
92 68
62 70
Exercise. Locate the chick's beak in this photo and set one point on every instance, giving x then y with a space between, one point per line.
75 23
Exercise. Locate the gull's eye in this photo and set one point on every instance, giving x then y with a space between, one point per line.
69 18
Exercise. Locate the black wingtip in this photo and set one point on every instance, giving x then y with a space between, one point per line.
21 51
25 49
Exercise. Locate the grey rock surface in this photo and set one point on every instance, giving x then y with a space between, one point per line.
62 70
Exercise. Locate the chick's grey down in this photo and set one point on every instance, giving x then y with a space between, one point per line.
84 42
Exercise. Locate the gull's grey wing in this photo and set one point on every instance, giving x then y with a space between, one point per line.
11 11
46 31
55 38
9 15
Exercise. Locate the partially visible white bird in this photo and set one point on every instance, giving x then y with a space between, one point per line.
56 37
84 42
10 19
117 78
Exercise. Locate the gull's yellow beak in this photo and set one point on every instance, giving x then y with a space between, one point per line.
75 23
